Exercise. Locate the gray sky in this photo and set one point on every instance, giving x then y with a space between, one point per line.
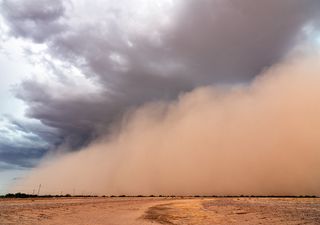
71 69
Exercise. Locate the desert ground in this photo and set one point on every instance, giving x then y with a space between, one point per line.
144 211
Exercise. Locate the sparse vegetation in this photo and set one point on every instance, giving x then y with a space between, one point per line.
24 195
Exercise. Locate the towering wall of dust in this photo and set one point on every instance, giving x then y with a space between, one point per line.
260 139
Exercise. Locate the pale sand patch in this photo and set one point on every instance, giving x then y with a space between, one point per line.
80 211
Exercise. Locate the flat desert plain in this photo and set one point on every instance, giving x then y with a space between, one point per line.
144 211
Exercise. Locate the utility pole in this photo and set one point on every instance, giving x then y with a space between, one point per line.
39 188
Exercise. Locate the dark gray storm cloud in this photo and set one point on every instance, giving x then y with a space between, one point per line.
20 157
135 60
22 143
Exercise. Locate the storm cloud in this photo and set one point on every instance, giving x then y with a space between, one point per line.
115 56
23 143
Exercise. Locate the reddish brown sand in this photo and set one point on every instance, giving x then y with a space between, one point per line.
143 211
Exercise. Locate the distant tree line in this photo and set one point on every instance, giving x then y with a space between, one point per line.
24 195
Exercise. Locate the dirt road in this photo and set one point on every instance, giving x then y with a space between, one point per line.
144 211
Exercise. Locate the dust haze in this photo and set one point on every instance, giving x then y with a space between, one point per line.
258 138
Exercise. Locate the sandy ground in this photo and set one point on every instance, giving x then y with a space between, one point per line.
144 211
